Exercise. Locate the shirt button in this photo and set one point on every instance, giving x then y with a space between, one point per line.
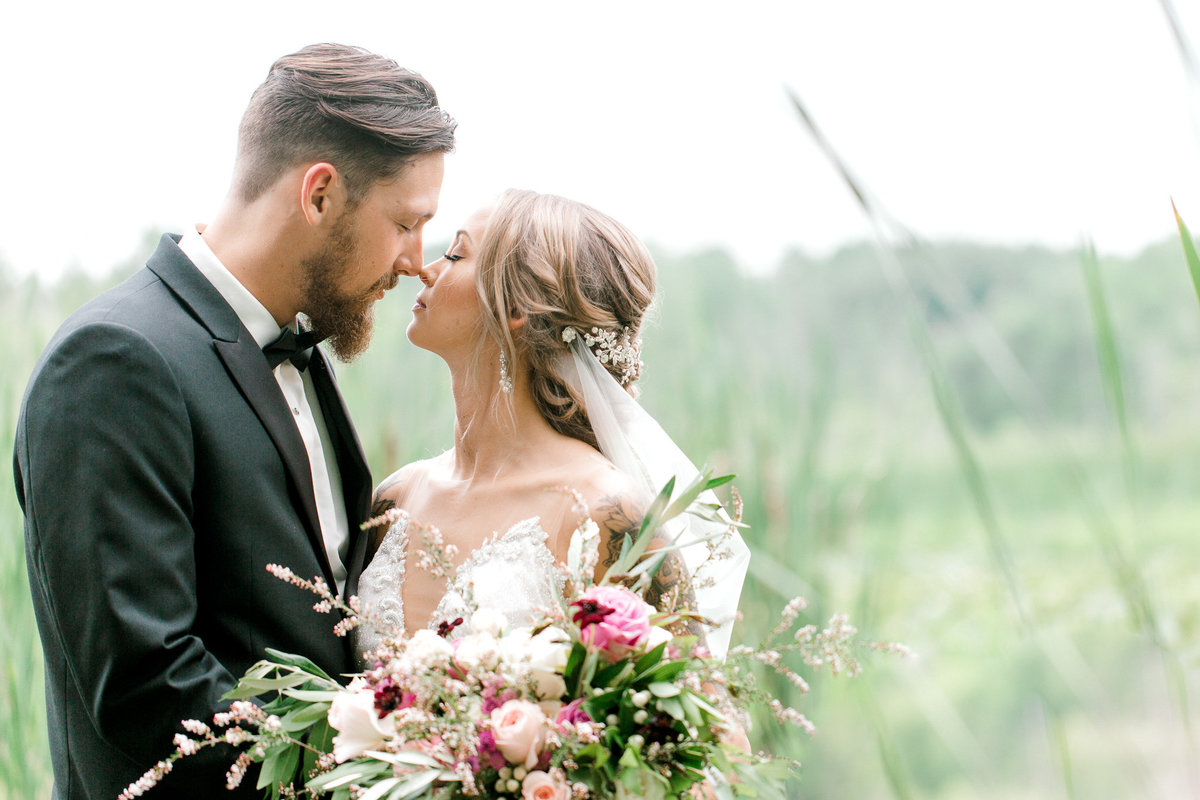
296 411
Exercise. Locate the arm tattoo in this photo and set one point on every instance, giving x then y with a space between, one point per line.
671 588
389 482
619 519
381 503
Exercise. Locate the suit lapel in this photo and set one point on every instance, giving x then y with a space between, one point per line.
352 462
248 368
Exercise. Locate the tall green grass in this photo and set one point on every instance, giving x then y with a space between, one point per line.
1065 667
920 459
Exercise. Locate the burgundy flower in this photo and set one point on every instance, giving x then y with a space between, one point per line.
590 612
660 728
445 626
390 695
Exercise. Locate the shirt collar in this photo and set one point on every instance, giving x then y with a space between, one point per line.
250 311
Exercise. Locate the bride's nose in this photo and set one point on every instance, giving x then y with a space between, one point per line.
428 273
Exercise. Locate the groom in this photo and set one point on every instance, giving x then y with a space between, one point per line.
180 432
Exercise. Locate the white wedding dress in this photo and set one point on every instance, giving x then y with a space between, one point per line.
512 573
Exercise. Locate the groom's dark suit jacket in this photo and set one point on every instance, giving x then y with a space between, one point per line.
160 471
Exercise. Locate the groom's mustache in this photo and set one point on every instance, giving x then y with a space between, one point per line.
384 284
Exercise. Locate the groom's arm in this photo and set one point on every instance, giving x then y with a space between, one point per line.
109 466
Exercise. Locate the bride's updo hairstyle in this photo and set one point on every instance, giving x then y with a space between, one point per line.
560 264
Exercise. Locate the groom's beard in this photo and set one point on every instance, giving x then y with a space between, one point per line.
347 320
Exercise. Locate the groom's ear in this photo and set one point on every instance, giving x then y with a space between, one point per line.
320 192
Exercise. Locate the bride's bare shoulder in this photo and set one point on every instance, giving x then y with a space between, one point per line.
394 490
614 500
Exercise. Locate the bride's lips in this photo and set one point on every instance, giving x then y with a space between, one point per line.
419 305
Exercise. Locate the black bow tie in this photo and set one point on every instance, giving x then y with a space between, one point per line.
291 346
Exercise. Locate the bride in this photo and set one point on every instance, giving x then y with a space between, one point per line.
536 308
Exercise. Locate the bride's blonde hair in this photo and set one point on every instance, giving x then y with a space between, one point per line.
558 263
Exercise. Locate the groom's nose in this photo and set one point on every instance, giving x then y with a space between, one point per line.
409 261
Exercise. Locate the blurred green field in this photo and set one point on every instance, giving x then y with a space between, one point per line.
946 465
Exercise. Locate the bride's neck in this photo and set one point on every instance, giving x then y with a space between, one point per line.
491 434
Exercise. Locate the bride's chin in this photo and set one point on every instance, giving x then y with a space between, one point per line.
416 339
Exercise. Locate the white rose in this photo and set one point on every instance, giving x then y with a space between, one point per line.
547 653
514 648
427 648
353 715
488 620
477 650
657 636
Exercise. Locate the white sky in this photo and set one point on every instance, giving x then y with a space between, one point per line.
1023 121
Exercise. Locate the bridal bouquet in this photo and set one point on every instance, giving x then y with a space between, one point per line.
604 697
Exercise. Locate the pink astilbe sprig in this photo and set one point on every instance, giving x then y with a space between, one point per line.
788 617
150 779
434 556
388 518
351 608
237 771
791 716
829 648
243 722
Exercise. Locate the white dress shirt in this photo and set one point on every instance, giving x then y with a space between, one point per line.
298 392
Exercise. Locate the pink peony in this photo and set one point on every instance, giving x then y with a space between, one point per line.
540 785
613 619
520 730
572 713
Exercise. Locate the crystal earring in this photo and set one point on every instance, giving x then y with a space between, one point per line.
506 384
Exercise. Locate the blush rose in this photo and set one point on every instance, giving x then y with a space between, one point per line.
540 785
520 731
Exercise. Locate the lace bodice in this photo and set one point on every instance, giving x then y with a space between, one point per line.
513 573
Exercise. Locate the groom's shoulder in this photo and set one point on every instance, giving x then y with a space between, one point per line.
145 304
138 323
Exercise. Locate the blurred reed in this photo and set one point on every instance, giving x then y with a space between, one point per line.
924 437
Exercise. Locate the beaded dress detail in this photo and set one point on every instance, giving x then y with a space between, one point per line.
513 573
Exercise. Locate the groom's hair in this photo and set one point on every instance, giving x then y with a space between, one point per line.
363 113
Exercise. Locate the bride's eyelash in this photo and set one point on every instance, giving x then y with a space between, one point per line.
451 257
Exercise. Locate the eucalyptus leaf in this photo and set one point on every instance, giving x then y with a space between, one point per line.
312 695
379 790
409 757
300 662
304 716
414 785
672 706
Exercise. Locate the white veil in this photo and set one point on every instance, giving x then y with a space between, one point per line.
638 446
